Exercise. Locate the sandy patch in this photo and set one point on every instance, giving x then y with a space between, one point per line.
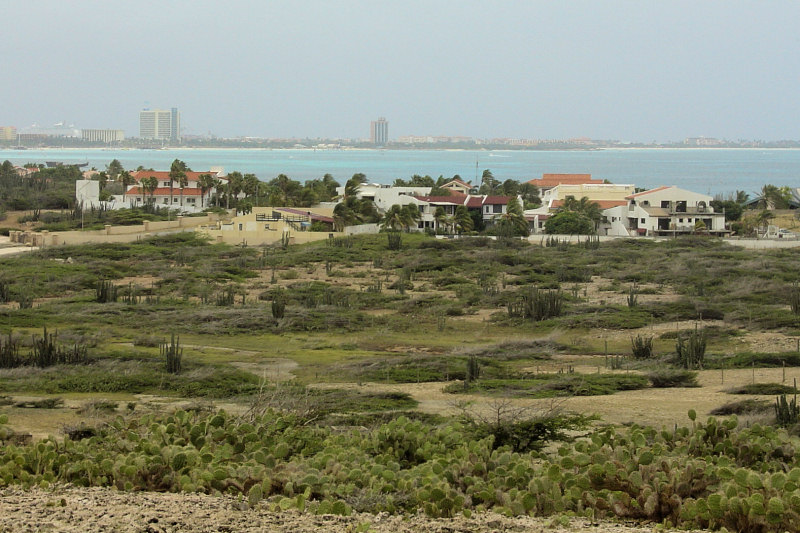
74 510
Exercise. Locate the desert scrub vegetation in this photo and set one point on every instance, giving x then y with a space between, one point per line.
710 474
134 374
552 385
421 280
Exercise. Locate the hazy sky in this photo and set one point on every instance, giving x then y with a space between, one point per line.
635 70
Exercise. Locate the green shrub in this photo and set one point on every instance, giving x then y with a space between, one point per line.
172 354
744 407
767 389
668 378
642 347
691 350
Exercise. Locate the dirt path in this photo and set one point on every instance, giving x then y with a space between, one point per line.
657 407
74 510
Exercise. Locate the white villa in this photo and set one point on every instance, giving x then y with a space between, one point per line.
194 198
664 211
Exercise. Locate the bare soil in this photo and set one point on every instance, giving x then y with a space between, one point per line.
72 510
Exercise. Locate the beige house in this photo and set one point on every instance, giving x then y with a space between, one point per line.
664 211
458 186
268 225
595 192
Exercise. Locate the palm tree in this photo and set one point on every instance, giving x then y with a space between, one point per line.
440 217
741 197
488 182
176 170
183 181
220 186
393 219
343 215
206 183
774 197
410 216
250 186
149 184
235 184
585 207
512 222
126 179
462 221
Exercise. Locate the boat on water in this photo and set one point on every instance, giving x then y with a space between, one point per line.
53 164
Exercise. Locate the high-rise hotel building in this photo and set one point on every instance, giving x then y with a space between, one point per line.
379 132
160 124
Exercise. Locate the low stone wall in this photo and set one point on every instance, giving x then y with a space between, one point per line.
257 238
362 229
117 234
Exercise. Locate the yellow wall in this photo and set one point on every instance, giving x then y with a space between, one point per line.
116 234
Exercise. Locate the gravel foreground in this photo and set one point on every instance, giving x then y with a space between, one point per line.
73 509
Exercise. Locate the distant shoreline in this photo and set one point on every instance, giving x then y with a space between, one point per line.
394 149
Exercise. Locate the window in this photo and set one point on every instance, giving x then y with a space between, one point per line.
641 220
680 220
240 227
497 208
486 209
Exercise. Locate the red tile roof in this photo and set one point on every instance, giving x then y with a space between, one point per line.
164 191
163 175
500 200
636 195
474 201
551 180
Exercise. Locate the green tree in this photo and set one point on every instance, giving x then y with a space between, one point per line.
774 197
569 223
126 179
114 169
410 216
440 217
489 183
530 195
512 222
510 187
393 219
206 183
102 177
176 170
732 209
235 184
250 186
149 184
462 220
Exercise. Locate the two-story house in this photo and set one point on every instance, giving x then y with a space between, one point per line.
663 211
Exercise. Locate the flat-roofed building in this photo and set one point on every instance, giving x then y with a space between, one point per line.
104 136
8 133
379 132
160 124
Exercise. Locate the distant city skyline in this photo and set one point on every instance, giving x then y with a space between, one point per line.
617 69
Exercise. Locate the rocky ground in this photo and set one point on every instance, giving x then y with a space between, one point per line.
71 509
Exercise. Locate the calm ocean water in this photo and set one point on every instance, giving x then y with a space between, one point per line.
709 171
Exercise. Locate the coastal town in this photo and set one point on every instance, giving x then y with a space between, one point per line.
239 209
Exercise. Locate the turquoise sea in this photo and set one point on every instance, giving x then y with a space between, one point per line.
706 170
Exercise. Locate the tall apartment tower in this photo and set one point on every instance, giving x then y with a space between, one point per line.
379 132
160 124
